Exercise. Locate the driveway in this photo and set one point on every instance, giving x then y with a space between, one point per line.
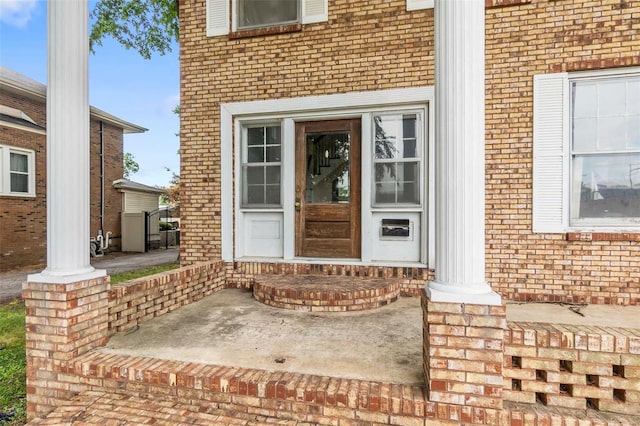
11 282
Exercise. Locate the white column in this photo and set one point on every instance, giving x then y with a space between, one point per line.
67 144
459 155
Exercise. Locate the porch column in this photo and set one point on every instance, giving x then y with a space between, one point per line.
67 304
67 144
459 151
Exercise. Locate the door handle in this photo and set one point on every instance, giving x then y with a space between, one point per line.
297 204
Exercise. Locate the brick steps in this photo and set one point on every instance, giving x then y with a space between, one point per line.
147 390
321 293
94 407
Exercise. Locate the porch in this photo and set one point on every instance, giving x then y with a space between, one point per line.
227 358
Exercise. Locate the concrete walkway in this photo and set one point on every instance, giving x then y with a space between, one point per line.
11 283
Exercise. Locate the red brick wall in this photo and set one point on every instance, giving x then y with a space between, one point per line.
112 140
23 219
372 45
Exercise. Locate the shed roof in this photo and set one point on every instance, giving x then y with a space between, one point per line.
129 185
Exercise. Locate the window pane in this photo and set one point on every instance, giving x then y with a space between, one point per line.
273 174
607 186
257 13
409 126
409 150
585 100
254 175
385 193
611 98
273 194
273 135
255 194
585 134
611 133
19 183
273 154
19 163
255 154
387 131
255 136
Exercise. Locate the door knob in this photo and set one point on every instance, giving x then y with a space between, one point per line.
297 204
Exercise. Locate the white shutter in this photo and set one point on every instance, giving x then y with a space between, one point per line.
419 4
315 11
550 152
217 17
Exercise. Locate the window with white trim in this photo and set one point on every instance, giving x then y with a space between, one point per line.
248 14
261 166
586 151
605 151
265 13
17 171
396 159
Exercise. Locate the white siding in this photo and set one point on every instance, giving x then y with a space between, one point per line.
136 202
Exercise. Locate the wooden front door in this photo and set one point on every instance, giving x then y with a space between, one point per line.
328 189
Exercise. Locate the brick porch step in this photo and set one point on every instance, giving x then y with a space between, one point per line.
95 407
325 293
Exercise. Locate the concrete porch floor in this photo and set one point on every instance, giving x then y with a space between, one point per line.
231 328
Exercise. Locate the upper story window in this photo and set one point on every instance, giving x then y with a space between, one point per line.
264 13
261 166
17 171
397 159
586 150
605 151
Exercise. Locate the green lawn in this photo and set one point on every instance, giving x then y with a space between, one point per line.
12 351
131 275
12 365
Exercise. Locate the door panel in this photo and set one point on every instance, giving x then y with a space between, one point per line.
328 188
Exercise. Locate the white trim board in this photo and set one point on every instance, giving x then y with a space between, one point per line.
324 106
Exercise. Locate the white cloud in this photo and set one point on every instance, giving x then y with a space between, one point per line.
17 12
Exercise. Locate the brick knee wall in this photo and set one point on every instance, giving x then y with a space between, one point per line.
463 355
63 321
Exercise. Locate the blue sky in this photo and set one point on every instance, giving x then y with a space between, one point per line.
143 92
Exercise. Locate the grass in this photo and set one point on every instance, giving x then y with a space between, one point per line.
13 360
132 275
13 364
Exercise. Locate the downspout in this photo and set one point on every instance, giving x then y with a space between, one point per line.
101 177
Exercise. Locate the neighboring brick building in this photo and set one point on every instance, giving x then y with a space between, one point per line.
23 172
254 84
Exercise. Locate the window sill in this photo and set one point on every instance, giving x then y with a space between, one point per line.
259 32
603 236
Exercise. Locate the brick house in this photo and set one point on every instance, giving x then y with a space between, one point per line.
468 152
23 171
271 102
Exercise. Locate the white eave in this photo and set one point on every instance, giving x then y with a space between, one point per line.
12 81
129 185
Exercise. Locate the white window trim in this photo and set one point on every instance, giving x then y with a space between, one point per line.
551 127
5 171
233 115
420 158
222 15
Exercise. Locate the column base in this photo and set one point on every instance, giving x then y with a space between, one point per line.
67 277
474 294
